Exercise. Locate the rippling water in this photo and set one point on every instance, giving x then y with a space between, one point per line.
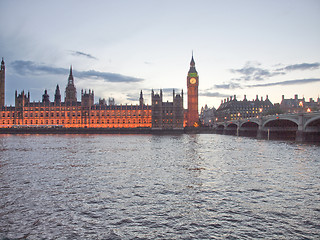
157 187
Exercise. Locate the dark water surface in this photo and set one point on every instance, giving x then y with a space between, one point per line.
157 187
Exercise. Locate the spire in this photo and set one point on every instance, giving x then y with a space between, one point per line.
2 64
192 65
57 90
71 92
141 101
45 97
70 80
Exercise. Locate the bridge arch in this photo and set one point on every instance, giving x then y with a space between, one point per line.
281 122
220 126
249 124
281 128
315 121
232 126
249 129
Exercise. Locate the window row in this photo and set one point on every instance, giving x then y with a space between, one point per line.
74 121
63 114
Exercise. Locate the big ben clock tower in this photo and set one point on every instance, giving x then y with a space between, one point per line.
192 85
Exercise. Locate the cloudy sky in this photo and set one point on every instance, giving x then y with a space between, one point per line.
118 48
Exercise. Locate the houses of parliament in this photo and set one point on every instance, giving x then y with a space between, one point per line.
72 113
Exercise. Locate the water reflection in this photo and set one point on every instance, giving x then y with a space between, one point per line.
157 187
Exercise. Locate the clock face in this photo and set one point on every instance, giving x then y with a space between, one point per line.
193 80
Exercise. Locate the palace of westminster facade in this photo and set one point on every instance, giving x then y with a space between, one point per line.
72 113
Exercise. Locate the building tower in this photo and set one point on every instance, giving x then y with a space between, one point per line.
192 85
141 101
87 99
157 114
22 99
57 96
45 97
71 92
2 84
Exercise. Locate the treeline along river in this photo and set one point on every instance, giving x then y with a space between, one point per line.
157 187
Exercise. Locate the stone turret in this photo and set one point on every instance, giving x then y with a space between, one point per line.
71 92
141 100
57 96
87 99
45 97
2 84
22 99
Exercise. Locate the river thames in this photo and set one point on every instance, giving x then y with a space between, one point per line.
157 187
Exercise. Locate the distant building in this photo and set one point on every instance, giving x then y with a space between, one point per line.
232 109
296 104
207 116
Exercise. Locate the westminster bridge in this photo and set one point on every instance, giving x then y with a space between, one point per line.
295 126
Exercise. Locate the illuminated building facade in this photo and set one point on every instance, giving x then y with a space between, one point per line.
232 109
72 113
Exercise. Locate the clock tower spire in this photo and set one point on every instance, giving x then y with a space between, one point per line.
192 85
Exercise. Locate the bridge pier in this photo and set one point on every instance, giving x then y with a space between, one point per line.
261 134
300 136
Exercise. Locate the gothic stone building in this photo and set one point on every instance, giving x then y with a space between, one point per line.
71 113
167 115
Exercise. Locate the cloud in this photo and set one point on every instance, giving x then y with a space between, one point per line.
253 72
135 96
282 83
212 94
32 68
227 86
301 66
288 82
250 72
108 77
78 53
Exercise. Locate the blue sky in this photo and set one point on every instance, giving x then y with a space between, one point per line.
119 47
